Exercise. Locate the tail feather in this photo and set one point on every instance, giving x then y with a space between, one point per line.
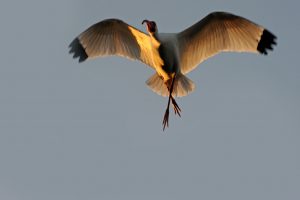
156 84
182 85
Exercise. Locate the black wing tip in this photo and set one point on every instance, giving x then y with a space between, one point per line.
77 49
266 42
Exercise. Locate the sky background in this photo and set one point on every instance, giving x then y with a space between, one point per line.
93 130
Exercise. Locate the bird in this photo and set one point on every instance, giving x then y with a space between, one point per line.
173 55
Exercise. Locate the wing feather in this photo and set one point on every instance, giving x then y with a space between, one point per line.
220 31
112 37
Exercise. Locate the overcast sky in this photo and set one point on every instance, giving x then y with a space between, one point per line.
71 131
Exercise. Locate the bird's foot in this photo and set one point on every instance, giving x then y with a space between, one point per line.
177 110
166 119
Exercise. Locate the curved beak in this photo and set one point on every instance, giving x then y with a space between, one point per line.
145 21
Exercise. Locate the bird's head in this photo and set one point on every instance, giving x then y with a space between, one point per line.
151 26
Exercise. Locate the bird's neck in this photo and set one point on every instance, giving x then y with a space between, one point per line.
155 39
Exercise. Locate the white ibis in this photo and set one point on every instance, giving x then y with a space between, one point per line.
173 55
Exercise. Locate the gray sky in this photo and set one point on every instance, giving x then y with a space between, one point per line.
93 130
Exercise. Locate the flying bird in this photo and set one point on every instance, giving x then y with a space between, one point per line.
173 55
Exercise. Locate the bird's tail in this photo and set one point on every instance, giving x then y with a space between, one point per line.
182 85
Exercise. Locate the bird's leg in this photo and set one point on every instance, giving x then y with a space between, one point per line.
177 110
176 107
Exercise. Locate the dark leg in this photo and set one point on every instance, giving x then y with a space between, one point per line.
176 107
177 110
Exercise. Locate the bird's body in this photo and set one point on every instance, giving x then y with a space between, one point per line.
168 51
172 55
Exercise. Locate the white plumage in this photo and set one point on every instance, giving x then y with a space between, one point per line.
172 55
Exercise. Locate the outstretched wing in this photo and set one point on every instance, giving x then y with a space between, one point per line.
220 31
112 37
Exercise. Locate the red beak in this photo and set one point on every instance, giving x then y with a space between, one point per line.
145 21
151 26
